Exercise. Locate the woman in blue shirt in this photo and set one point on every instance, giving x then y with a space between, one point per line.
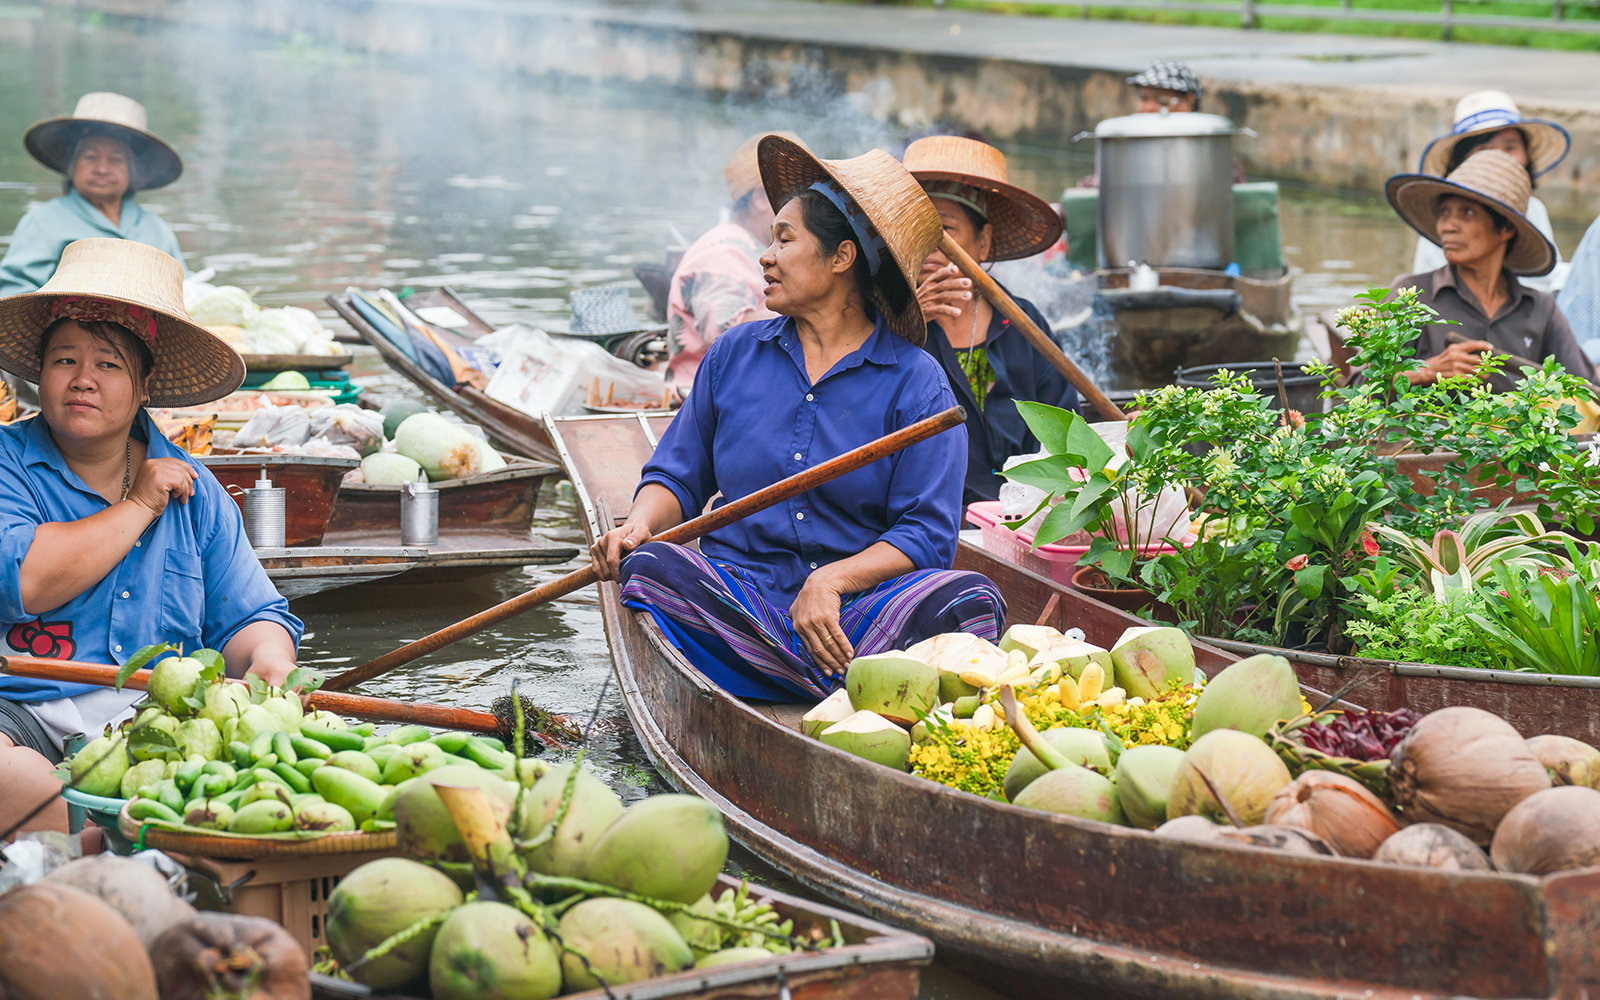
776 605
112 539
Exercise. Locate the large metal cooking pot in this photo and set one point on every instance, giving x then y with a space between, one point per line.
1166 190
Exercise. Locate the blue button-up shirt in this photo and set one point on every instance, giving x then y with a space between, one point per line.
191 578
46 230
753 418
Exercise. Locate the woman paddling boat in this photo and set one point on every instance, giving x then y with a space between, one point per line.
111 538
990 366
775 606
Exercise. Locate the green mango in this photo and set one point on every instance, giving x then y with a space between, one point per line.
383 753
267 791
210 814
357 762
412 760
324 817
406 735
360 796
262 816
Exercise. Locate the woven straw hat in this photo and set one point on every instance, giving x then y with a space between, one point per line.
192 365
1492 178
742 171
1024 224
1490 111
891 199
52 141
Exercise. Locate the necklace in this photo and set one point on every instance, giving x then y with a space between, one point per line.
968 356
127 470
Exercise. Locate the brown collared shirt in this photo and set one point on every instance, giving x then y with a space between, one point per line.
1529 324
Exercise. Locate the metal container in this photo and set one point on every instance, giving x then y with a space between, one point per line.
264 514
1166 190
419 514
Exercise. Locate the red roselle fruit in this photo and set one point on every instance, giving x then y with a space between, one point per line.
1360 735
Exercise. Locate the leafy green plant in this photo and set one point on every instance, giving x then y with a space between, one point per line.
1459 560
1547 621
1209 583
1413 627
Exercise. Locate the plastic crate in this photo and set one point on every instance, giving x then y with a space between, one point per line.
291 892
1054 561
328 379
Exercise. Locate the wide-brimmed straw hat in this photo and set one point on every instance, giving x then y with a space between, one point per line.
1492 178
1490 111
743 171
138 287
897 211
53 140
973 173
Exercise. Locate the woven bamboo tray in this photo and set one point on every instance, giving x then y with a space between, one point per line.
167 836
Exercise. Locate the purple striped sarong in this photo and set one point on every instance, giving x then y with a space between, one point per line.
715 614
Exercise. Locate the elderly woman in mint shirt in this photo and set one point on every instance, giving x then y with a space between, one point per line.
111 539
775 606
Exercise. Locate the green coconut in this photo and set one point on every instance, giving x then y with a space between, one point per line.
593 809
1242 767
733 956
1250 696
1030 639
894 685
379 899
423 826
98 768
943 715
956 653
702 936
625 942
1073 655
868 734
834 708
491 951
1079 746
666 847
1144 777
1073 791
1150 660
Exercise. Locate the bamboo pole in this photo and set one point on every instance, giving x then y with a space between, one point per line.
997 296
723 516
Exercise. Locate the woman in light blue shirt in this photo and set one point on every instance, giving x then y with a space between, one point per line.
106 154
111 538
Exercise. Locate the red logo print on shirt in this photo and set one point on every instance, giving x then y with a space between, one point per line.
46 640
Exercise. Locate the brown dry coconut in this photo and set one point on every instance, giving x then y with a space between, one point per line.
1465 768
1550 831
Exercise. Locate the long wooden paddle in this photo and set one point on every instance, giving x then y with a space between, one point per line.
723 516
1038 338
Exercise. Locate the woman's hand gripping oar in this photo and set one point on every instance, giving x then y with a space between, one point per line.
723 516
1028 328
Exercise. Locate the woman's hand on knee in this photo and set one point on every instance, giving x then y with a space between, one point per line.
608 551
815 614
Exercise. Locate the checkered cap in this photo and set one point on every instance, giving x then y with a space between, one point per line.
1169 75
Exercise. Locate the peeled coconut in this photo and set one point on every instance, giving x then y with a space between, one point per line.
1073 791
1030 639
894 685
1144 777
1150 660
834 708
423 826
1288 839
135 890
1250 696
382 898
1550 831
1196 828
665 847
1073 655
1338 809
217 955
1243 768
625 942
933 652
594 807
1433 846
868 734
1079 746
733 956
58 942
1569 761
488 951
1465 768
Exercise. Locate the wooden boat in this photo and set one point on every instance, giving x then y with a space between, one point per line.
311 484
312 569
517 431
1051 905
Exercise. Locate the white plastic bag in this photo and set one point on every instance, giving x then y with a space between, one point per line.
348 424
1167 516
541 374
274 426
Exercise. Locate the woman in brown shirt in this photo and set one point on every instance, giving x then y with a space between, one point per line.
1477 216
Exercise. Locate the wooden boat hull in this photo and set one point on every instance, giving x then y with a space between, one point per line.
1079 908
310 483
301 572
501 502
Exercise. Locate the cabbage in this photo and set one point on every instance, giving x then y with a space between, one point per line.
385 468
225 306
443 449
275 328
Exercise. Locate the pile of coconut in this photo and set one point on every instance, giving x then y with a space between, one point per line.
111 928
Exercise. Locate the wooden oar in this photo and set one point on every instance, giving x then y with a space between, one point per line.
687 531
1028 328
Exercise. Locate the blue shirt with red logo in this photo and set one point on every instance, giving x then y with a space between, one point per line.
191 578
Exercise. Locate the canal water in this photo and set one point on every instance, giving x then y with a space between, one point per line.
309 169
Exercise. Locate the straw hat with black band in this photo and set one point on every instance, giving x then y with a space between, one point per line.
53 141
137 287
1489 111
884 205
742 172
1493 179
973 173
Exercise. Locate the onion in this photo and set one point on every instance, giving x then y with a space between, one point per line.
1569 761
1465 768
1338 809
1550 831
1432 846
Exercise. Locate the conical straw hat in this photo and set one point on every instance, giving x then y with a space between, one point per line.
1491 111
743 171
52 141
1492 178
1024 224
892 200
192 365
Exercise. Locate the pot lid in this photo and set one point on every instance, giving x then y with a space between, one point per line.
1166 124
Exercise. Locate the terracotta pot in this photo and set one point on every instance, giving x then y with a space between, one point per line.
1131 599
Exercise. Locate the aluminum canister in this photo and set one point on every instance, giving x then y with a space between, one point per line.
419 514
264 514
1166 190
